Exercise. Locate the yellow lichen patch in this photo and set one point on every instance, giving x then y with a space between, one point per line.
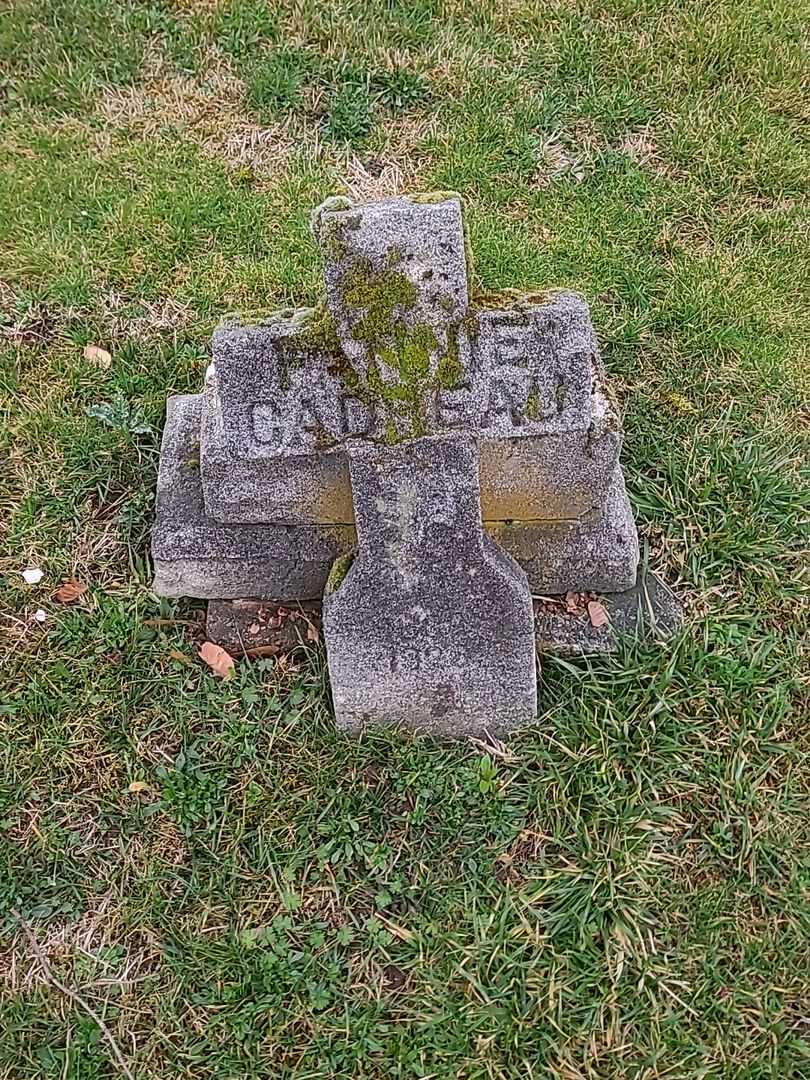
337 575
331 503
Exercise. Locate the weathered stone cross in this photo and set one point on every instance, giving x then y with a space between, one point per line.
415 428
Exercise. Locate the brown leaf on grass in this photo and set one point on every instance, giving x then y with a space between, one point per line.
98 356
597 614
220 661
69 591
138 786
177 654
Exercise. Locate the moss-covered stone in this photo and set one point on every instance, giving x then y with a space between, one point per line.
332 204
428 197
337 575
381 299
450 371
533 405
378 294
513 299
331 239
318 330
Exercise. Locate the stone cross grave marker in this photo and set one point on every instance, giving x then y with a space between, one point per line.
444 459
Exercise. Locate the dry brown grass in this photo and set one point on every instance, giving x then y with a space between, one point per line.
210 113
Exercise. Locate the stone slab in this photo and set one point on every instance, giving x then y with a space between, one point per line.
536 478
649 609
308 489
284 388
599 553
432 627
194 555
543 478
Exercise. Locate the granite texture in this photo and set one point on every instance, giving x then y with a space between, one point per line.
297 488
194 555
431 628
396 285
197 555
465 453
597 553
649 609
399 351
558 477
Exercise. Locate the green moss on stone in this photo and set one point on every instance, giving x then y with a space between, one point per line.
331 239
378 294
391 436
318 330
337 575
533 405
332 204
427 197
404 363
509 299
450 370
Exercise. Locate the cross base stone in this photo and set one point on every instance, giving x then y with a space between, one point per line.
462 448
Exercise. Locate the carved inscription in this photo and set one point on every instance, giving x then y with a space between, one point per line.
300 423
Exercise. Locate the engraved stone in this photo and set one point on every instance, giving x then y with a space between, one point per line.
432 626
434 420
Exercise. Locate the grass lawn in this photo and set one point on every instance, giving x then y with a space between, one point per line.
233 889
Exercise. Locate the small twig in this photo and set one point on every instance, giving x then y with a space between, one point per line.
77 998
171 622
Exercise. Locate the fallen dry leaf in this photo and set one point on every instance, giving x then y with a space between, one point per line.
573 603
597 614
220 661
98 356
138 786
69 591
177 654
